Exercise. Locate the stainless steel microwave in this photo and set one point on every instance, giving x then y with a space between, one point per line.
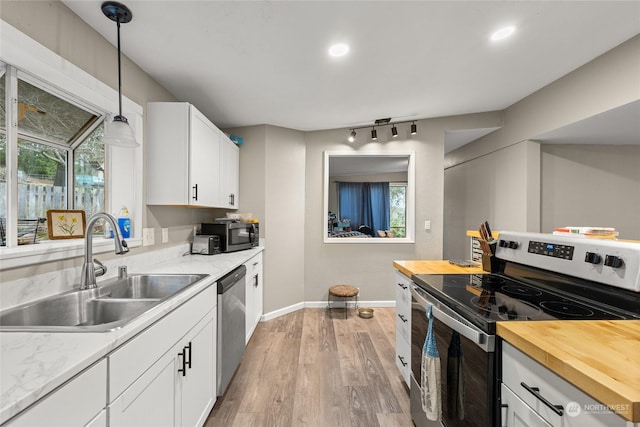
234 235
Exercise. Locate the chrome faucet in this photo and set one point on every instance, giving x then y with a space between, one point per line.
89 270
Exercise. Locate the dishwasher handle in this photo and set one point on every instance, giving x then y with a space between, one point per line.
475 335
230 279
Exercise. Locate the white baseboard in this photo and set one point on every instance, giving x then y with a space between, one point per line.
322 304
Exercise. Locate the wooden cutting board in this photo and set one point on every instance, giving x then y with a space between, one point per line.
408 268
602 358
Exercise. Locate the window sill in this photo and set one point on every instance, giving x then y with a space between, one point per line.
54 251
373 240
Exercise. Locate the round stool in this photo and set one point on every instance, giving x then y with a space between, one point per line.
344 292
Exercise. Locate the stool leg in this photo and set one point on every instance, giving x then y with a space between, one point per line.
346 307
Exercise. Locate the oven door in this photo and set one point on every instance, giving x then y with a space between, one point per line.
467 375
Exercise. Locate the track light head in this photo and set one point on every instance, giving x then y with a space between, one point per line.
352 135
394 131
414 129
374 134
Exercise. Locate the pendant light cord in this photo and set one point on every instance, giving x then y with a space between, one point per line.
119 71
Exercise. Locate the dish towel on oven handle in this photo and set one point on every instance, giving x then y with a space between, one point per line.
430 393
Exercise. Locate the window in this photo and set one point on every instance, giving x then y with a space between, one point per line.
86 98
398 208
60 156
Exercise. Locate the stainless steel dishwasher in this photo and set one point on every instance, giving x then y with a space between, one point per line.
231 326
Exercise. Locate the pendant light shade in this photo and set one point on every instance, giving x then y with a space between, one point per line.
118 132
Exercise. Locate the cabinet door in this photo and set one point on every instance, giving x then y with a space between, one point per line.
254 294
197 385
229 173
204 158
150 401
516 413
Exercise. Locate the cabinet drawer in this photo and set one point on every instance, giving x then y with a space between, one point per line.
135 357
86 393
403 294
403 358
578 408
254 265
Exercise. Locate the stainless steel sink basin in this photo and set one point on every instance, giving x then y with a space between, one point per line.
158 286
103 309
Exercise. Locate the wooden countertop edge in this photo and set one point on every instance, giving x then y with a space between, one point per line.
411 267
574 371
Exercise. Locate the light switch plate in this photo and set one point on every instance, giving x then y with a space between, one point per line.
165 235
427 225
148 236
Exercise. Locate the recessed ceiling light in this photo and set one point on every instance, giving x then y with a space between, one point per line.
339 49
503 33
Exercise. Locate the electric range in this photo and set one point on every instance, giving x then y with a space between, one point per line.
538 277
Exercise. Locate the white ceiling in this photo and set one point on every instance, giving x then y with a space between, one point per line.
265 62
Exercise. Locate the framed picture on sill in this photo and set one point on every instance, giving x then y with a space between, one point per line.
65 224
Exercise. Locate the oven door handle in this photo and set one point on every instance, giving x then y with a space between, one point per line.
481 339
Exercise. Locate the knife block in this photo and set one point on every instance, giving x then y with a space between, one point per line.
489 263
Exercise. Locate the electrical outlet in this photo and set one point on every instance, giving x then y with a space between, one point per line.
427 225
165 235
148 236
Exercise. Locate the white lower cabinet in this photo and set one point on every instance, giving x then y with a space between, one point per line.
79 402
516 413
164 376
403 326
253 295
197 376
533 395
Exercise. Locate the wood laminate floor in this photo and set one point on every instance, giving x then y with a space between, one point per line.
315 368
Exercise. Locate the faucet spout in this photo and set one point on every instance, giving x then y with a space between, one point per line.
89 271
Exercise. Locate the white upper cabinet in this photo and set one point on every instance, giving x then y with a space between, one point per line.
229 173
190 162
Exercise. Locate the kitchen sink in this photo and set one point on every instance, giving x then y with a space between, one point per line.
101 309
157 286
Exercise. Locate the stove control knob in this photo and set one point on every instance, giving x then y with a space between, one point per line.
613 261
503 243
592 258
513 245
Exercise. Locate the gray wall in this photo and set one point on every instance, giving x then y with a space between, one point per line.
593 185
607 82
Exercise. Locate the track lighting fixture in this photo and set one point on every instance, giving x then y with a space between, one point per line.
382 122
118 132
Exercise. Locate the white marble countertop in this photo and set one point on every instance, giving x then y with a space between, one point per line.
33 364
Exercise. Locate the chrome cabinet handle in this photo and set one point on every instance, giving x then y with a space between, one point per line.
404 319
195 192
558 409
402 361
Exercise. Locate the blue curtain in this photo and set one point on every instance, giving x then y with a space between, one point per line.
365 203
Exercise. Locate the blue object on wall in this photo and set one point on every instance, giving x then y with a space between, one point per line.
237 139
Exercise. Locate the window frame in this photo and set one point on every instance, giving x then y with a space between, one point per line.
410 194
125 187
405 185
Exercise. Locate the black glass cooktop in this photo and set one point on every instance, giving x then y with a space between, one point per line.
486 299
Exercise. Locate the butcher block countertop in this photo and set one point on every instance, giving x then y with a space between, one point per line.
409 268
602 358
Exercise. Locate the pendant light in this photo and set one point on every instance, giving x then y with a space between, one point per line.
118 132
